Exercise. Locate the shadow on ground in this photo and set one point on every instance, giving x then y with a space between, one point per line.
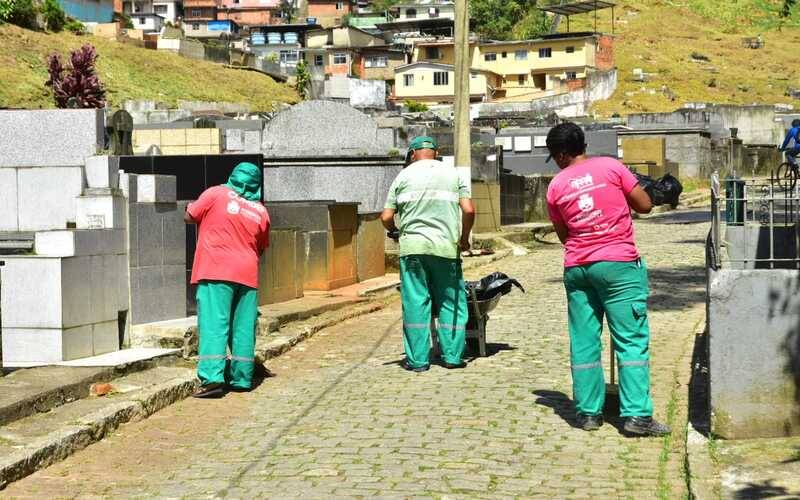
764 489
564 407
681 217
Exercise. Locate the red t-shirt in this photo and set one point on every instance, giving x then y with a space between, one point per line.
233 234
590 198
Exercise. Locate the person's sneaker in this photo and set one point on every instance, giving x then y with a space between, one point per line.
589 422
417 369
210 391
645 426
453 366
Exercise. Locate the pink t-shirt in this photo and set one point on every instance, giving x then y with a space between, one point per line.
233 232
590 199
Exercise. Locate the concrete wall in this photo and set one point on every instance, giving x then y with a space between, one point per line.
282 267
536 197
754 353
512 199
486 197
98 11
192 141
599 85
367 185
371 249
525 152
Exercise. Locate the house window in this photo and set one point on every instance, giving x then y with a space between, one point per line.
376 62
433 12
505 55
571 75
339 5
195 26
520 55
289 56
196 12
142 20
546 52
160 9
408 80
319 60
411 13
490 56
340 58
521 80
441 78
570 50
433 53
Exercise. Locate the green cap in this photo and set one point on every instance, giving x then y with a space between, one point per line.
423 142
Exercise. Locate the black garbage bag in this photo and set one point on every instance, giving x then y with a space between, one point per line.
664 191
493 285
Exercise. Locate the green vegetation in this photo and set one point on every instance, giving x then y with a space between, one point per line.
415 106
303 84
54 15
128 72
20 12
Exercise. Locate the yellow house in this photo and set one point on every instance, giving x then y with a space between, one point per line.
434 83
527 69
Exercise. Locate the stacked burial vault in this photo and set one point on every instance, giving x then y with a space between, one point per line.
70 295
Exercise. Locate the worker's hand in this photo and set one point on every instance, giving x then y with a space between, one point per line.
464 245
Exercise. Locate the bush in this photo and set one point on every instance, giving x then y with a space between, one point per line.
54 15
20 12
75 26
415 107
124 20
77 86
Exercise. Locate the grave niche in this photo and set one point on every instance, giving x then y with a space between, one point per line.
120 133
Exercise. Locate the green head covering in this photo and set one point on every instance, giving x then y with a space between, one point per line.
423 142
246 181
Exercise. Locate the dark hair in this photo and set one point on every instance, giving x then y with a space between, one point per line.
795 123
566 138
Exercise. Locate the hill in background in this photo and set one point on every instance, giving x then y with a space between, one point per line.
128 72
692 52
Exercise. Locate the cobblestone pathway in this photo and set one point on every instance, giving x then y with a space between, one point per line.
341 418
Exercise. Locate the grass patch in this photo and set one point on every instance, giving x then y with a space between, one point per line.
128 72
695 184
659 36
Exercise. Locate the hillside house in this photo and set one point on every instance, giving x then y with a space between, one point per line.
330 13
250 12
337 51
434 83
527 69
148 23
434 9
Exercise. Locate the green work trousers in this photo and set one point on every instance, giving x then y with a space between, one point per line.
226 316
618 291
430 283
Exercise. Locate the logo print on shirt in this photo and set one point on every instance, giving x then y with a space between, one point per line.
579 183
586 202
233 207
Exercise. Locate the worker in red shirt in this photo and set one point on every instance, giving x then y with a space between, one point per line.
233 233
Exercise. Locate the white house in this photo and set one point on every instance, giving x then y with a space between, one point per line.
432 9
170 10
147 22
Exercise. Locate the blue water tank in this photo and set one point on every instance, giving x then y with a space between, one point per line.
290 37
273 38
257 39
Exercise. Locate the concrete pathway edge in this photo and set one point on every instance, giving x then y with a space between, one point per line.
60 444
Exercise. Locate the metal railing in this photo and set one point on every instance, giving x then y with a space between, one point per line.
754 224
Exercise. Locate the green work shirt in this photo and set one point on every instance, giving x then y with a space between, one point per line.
426 195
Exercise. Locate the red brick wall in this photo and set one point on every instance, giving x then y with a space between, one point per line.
248 17
605 53
327 9
576 84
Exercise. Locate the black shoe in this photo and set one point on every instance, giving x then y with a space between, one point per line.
234 388
451 366
589 422
210 391
417 369
645 426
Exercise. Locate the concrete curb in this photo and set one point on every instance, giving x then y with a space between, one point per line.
93 427
699 466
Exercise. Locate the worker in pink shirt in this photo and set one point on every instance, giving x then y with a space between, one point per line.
233 233
590 204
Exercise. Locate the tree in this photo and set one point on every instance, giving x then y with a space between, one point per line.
20 12
54 15
288 10
381 6
77 86
495 19
303 84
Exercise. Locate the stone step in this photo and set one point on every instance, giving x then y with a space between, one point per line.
29 391
39 440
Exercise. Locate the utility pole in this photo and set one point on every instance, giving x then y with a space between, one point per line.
463 58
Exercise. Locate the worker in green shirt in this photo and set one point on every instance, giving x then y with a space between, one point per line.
434 218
